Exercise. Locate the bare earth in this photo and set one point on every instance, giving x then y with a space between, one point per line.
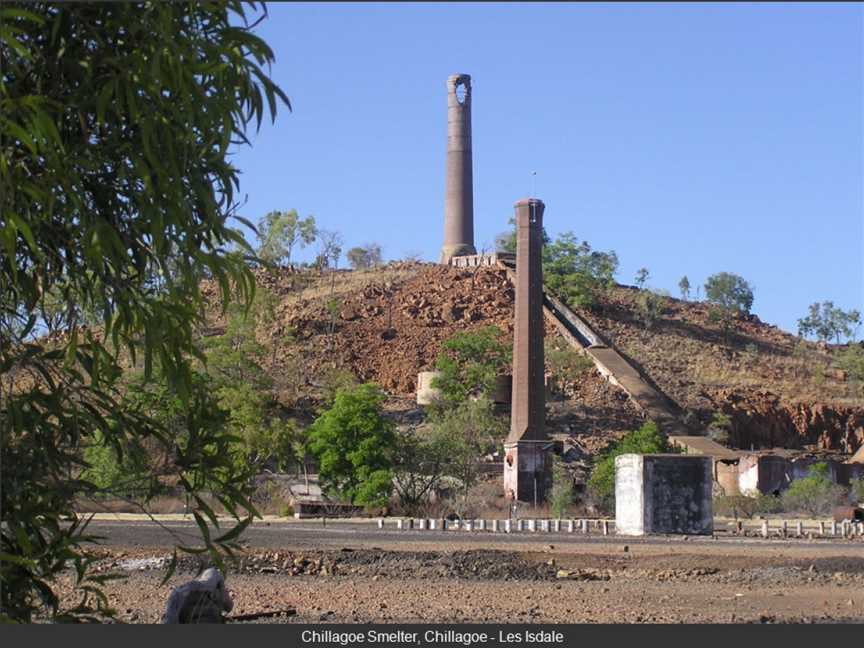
350 573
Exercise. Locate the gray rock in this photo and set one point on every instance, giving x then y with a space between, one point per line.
202 600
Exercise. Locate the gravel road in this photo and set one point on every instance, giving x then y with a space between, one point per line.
354 573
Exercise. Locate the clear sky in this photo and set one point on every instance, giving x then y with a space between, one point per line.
689 138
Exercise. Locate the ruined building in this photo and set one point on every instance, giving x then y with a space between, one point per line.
459 188
528 460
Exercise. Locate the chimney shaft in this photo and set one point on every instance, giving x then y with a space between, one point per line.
459 189
527 462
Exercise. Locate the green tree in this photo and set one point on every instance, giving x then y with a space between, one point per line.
851 360
124 473
420 463
642 276
815 494
464 433
730 297
729 292
115 125
279 232
244 390
575 272
684 287
353 443
469 362
646 440
826 321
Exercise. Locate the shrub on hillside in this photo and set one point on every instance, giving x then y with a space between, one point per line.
469 363
646 440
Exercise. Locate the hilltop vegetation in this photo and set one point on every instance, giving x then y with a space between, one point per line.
390 323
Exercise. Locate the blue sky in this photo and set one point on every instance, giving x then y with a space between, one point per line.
689 138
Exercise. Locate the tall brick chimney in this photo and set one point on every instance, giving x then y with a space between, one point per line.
459 188
527 462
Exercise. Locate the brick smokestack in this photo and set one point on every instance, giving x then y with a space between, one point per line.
527 467
459 188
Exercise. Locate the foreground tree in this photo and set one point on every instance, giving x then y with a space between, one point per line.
115 124
353 443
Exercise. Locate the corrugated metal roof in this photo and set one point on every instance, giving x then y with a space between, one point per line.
704 446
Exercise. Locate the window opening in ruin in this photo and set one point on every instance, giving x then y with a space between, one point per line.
461 92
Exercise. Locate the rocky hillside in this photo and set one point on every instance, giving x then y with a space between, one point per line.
386 325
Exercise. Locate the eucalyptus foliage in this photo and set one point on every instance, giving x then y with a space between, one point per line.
116 121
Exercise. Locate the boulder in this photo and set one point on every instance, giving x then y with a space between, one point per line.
202 600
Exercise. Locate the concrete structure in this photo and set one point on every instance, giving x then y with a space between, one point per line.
426 393
772 473
527 461
663 493
459 188
724 461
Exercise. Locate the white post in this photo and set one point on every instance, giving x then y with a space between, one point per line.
556 526
520 524
495 526
833 528
799 528
785 529
400 524
411 523
481 525
570 526
821 528
421 524
469 525
764 528
508 525
605 527
532 525
380 523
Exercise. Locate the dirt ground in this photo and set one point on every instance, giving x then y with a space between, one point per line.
730 581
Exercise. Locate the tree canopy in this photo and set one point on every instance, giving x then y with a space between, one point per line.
116 120
354 446
826 321
280 232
